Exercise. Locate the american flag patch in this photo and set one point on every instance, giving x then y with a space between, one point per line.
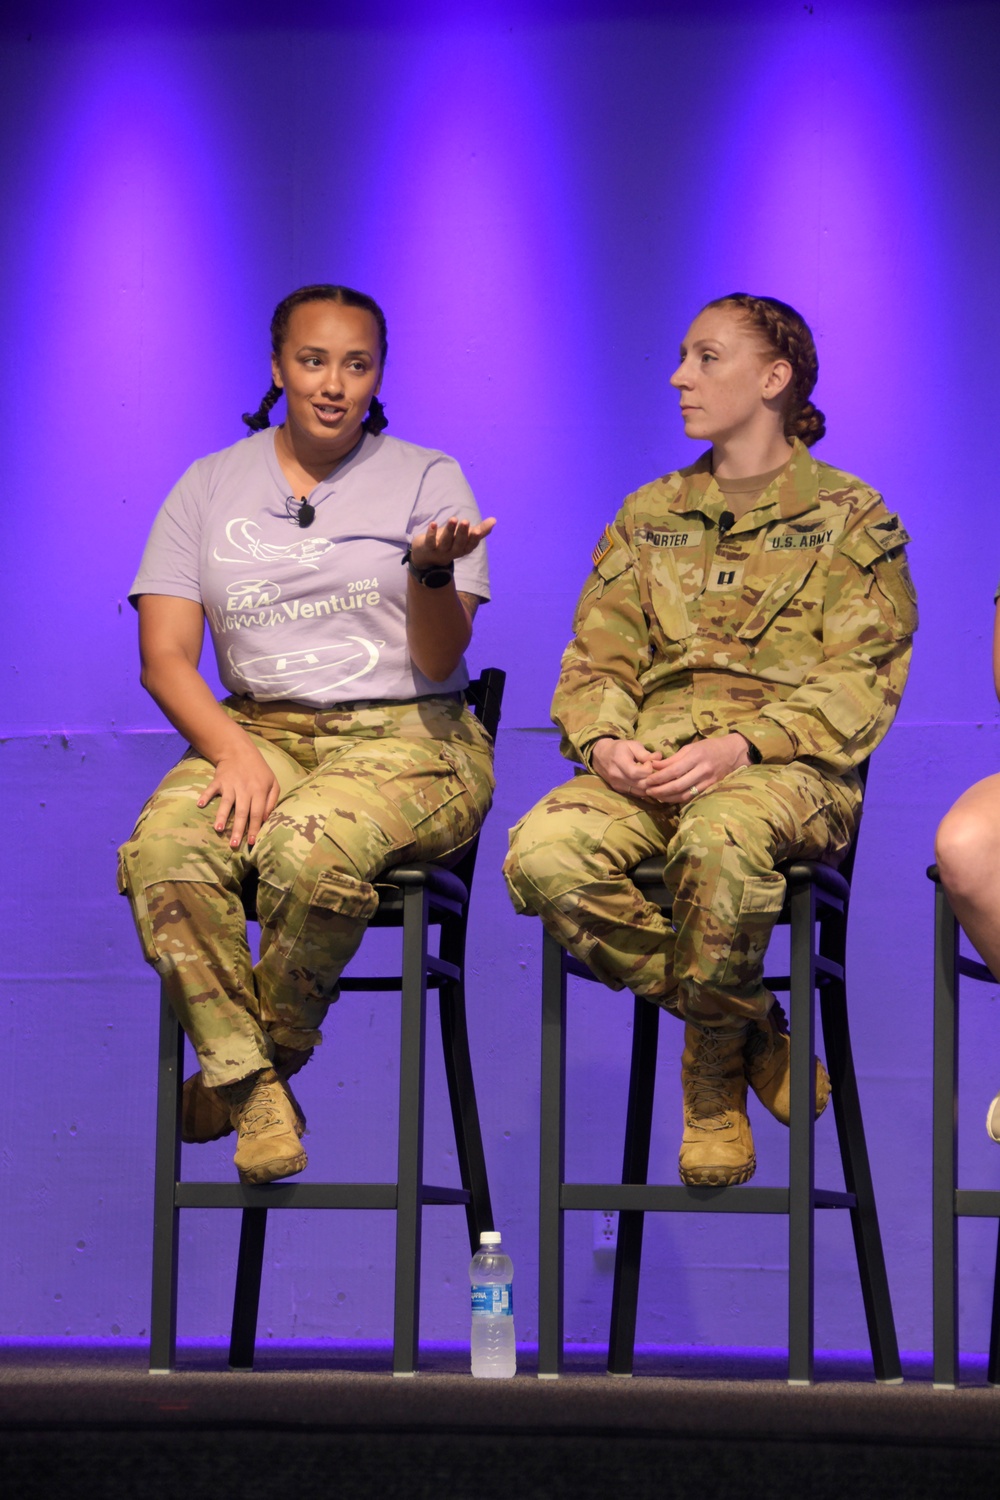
603 547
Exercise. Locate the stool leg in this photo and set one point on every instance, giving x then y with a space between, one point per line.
945 1143
553 1161
993 1367
801 1167
858 1180
409 1183
635 1168
246 1300
163 1313
464 1111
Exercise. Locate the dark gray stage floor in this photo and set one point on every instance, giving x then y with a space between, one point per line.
90 1421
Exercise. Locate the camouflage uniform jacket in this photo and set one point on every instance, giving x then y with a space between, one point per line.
793 627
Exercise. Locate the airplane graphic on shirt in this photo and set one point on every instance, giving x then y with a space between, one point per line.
243 535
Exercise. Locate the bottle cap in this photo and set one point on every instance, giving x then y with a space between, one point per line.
489 1237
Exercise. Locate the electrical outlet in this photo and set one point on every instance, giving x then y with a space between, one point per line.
605 1229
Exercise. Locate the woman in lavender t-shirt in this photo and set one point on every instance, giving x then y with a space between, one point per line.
339 571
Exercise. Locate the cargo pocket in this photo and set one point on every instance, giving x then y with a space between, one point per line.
447 832
130 884
331 891
760 904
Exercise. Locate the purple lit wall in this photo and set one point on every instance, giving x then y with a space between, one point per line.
541 196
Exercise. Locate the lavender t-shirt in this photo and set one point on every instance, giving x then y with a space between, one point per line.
316 614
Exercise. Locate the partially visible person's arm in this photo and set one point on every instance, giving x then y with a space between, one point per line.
171 631
439 621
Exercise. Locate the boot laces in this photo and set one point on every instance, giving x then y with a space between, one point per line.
262 1109
709 1088
261 1112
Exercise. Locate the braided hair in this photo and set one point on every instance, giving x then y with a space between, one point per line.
789 336
376 421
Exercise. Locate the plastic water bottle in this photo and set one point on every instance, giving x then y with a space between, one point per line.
494 1356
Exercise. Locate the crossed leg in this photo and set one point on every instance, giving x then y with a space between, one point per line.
968 856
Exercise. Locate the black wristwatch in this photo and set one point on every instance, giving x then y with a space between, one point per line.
755 756
434 577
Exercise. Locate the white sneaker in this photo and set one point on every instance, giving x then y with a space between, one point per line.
993 1120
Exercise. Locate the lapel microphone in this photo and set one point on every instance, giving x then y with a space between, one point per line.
300 512
726 523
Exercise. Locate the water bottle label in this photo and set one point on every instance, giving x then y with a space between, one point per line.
493 1301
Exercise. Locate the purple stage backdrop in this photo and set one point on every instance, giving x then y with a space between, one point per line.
541 195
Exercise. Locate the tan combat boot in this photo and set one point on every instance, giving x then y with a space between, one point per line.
717 1146
205 1115
766 1059
264 1114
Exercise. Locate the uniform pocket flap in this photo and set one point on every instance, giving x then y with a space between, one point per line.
666 603
774 599
848 713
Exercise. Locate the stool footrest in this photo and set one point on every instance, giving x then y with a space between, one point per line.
972 1203
439 971
657 1198
305 1195
285 1195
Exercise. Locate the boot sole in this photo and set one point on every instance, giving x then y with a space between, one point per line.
270 1171
709 1176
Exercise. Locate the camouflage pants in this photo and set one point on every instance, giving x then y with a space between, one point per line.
361 789
570 856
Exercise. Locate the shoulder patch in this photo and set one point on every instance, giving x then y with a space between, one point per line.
603 547
874 539
889 534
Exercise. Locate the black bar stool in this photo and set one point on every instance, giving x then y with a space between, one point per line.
816 906
950 1203
414 898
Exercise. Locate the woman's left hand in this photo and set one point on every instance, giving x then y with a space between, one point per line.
695 767
440 545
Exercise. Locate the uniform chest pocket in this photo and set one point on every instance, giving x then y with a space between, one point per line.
777 596
663 597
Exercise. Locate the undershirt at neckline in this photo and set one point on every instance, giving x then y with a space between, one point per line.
750 488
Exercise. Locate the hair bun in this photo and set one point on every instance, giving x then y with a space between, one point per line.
809 424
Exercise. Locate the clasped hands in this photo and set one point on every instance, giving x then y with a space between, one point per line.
628 766
440 545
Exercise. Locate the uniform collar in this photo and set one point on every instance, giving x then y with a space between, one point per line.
792 493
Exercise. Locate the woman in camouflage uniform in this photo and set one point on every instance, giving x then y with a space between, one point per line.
741 645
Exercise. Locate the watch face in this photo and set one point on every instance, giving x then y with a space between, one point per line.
436 578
